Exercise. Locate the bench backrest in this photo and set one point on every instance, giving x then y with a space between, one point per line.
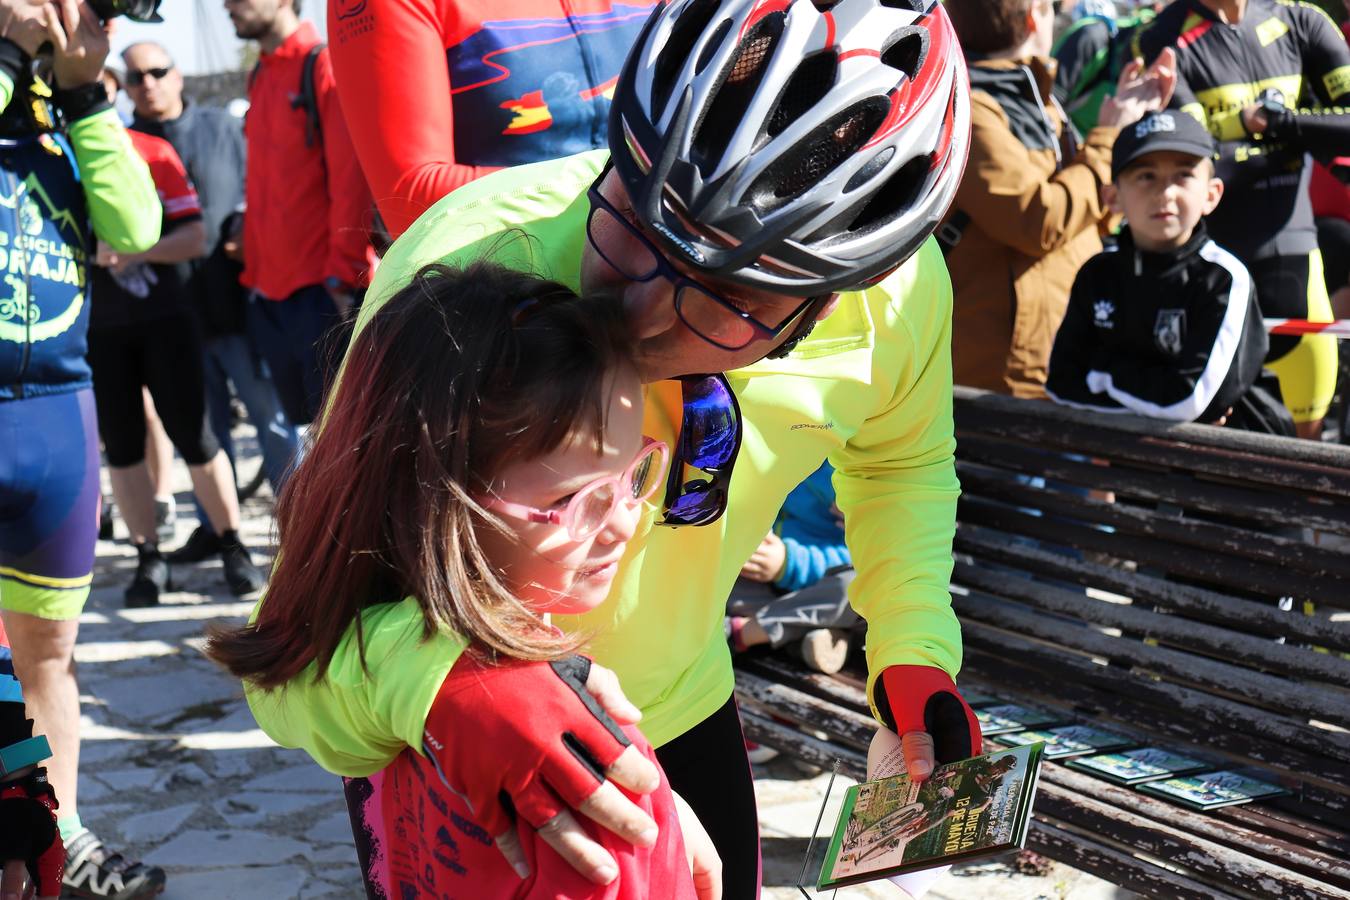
1159 610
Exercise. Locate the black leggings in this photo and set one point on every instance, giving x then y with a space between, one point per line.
707 766
165 355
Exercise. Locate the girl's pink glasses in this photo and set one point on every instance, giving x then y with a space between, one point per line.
591 507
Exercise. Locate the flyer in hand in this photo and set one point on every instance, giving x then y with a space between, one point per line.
965 810
1130 767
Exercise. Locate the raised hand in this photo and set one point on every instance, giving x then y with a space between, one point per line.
79 43
1140 90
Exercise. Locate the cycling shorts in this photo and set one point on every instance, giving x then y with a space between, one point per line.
1293 287
49 503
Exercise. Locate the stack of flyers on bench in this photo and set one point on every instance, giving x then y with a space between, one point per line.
1213 789
1069 740
1012 717
1130 767
965 810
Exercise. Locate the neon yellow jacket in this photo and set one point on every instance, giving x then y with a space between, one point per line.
870 389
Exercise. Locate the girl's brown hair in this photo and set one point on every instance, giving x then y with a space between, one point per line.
457 375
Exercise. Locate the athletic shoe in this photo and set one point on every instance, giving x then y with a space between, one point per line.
166 518
241 575
92 870
201 545
825 649
758 753
152 577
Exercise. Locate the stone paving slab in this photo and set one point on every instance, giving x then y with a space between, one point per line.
175 770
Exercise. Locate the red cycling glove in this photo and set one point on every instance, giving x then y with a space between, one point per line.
924 698
529 732
28 830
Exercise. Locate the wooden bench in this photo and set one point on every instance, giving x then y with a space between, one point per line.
1154 613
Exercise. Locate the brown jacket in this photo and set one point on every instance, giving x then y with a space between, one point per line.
1029 223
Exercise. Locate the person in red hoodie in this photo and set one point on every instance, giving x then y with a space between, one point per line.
307 252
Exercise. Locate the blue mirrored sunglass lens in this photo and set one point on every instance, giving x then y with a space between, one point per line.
695 508
709 436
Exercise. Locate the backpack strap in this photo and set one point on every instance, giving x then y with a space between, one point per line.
949 233
307 99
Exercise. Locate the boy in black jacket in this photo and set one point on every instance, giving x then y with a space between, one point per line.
1166 324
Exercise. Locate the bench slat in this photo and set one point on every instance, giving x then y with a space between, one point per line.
1213 641
1277 695
1307 467
1167 596
1247 575
1192 493
1330 568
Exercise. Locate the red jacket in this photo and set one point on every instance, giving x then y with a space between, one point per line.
440 92
309 209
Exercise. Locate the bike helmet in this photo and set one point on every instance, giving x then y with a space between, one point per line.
798 146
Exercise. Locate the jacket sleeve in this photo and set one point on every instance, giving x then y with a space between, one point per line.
395 87
1077 345
349 205
1081 56
123 205
1325 129
1206 377
895 482
1004 193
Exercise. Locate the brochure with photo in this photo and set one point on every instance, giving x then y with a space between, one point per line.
1069 740
969 809
1008 717
1145 764
1212 790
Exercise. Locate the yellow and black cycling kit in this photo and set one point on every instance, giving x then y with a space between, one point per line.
1290 58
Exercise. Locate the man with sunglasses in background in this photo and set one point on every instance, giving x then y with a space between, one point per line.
776 172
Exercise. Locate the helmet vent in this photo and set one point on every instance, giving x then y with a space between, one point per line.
915 6
907 52
737 87
684 36
807 87
818 154
899 194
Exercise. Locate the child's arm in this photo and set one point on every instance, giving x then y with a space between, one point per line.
807 563
1078 345
1219 350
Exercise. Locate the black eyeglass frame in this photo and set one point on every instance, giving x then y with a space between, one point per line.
678 280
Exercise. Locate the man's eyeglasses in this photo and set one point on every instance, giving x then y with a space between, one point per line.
136 77
710 438
713 318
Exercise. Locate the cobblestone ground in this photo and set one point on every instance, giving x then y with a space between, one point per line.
175 770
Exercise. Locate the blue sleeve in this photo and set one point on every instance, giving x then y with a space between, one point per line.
808 563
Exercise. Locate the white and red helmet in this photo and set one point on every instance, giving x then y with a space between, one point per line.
795 146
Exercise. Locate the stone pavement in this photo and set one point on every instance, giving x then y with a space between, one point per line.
175 770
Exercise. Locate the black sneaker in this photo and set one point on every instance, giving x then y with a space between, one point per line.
201 545
105 519
241 575
92 870
152 577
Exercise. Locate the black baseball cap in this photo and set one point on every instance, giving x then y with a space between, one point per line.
1165 130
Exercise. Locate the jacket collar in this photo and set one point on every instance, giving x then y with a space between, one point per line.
1141 261
296 45
159 127
1042 71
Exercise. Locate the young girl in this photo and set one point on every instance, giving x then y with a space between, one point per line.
482 458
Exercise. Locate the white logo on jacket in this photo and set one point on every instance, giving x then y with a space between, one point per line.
1169 330
1102 311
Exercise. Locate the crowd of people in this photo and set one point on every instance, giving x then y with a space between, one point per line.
506 337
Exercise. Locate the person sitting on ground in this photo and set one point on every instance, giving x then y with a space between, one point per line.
1028 211
795 586
1166 324
504 415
